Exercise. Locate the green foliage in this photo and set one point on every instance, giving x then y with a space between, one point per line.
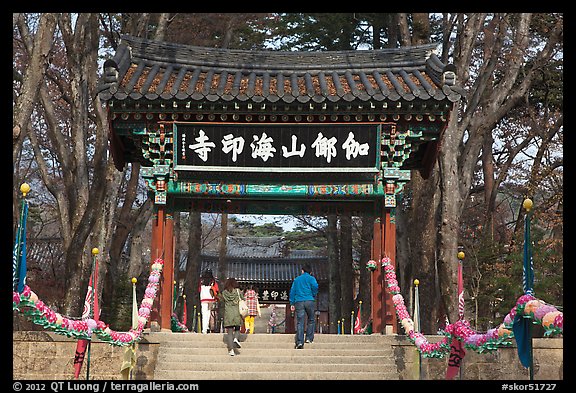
299 238
548 89
319 31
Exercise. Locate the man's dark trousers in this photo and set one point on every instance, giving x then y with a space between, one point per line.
305 311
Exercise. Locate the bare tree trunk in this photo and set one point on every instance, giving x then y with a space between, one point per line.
420 28
365 295
222 261
192 280
125 218
39 50
83 198
489 194
228 33
403 30
417 236
103 230
346 270
163 21
138 264
450 213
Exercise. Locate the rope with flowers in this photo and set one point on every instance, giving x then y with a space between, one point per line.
528 306
39 313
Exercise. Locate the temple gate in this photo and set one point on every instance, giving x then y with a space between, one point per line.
270 132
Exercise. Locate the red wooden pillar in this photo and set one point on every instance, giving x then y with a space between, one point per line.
162 246
389 242
167 282
157 251
376 279
383 244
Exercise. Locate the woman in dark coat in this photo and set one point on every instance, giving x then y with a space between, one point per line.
230 298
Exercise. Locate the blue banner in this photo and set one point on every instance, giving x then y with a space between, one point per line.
19 252
528 271
522 326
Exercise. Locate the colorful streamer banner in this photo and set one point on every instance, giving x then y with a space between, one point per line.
416 309
457 353
175 297
358 321
460 292
184 312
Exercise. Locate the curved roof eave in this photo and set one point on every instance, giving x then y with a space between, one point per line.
149 69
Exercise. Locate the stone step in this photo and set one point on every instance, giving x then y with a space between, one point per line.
263 337
274 375
277 344
97 376
234 364
165 360
274 351
273 357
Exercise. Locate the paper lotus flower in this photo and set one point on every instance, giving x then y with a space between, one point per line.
419 341
548 320
531 306
33 297
397 299
386 261
371 265
407 324
154 278
492 333
543 310
26 291
144 312
474 339
559 321
502 331
522 300
389 268
91 324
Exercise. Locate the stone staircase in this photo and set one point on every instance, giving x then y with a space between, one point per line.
193 356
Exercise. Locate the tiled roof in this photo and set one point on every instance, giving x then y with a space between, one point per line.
259 271
251 259
149 70
254 247
262 260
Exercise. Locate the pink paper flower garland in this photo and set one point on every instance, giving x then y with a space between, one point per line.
28 303
546 315
371 265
